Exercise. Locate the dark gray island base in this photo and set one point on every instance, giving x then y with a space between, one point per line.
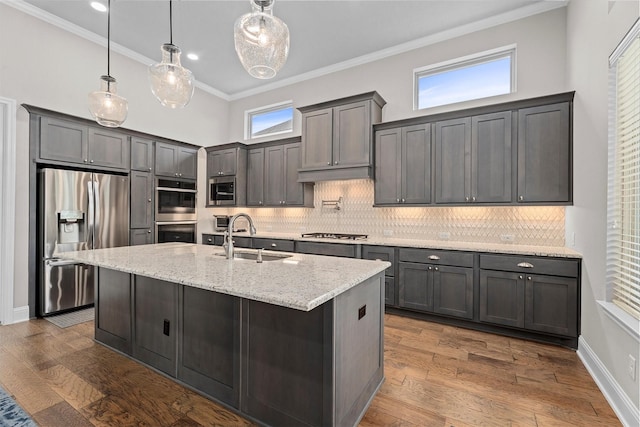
274 364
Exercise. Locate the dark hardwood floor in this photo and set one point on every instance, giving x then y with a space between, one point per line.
436 375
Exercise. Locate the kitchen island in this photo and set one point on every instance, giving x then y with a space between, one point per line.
294 340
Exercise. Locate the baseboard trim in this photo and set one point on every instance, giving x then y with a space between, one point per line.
20 314
615 395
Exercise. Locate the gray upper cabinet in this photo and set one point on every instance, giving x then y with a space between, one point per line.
453 160
141 199
255 177
403 165
72 142
222 162
337 138
275 182
174 160
141 154
544 154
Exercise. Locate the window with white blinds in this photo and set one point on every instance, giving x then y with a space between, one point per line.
623 240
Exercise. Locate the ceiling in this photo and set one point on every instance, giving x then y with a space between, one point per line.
325 35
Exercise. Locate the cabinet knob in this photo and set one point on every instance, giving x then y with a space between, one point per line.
336 162
149 169
521 277
466 199
329 163
209 239
473 199
430 268
149 231
436 269
86 160
529 278
175 174
260 202
402 200
397 200
179 174
91 161
149 200
521 198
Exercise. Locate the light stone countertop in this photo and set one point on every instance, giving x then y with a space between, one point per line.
301 282
505 248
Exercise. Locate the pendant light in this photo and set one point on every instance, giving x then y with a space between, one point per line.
106 106
170 82
261 40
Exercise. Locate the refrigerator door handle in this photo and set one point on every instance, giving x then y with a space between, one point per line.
91 216
51 263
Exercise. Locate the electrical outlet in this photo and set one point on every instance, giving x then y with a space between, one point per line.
387 232
444 235
631 367
507 237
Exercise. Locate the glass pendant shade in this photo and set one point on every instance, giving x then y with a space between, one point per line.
106 106
170 82
261 40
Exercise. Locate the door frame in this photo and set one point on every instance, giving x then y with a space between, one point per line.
8 109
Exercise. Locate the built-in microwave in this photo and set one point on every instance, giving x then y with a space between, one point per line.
221 222
222 191
175 200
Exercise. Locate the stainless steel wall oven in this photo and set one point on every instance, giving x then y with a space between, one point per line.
175 200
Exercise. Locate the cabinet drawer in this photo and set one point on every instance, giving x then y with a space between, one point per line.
331 249
212 239
382 253
242 242
459 259
273 244
528 264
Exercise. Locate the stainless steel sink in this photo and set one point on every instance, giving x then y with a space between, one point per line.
253 256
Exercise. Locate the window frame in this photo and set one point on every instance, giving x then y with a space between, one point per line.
462 63
250 114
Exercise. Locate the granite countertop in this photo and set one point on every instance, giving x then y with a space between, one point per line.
301 282
504 248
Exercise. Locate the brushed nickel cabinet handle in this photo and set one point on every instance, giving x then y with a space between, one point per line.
434 257
273 245
525 265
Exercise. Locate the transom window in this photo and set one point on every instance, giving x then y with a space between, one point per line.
270 120
476 76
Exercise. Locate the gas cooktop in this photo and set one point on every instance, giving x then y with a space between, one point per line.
343 236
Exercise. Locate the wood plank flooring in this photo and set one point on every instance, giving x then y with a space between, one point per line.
436 375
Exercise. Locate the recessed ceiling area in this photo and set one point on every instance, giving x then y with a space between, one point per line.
325 35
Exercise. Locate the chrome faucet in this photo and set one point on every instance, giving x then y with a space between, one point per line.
228 235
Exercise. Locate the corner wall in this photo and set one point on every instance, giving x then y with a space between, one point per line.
594 28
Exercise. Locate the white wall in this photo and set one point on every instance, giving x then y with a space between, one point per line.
48 67
594 28
541 70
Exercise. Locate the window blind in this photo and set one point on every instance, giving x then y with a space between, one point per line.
623 240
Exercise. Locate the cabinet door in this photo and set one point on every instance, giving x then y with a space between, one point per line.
317 136
209 351
352 134
141 199
551 304
108 148
155 308
293 190
502 298
491 158
330 249
113 309
382 253
544 154
166 158
387 167
141 154
453 291
416 286
255 177
274 176
222 162
389 291
63 140
453 159
187 163
140 236
416 164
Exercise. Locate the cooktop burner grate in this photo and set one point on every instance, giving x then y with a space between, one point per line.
343 236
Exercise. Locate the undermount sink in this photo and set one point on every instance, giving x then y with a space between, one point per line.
253 256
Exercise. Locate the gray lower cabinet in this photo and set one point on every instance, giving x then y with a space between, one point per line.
140 236
403 165
155 306
209 347
273 244
436 281
545 153
331 249
384 253
141 154
532 293
113 315
73 142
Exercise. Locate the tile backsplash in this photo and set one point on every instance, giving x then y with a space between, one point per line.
525 225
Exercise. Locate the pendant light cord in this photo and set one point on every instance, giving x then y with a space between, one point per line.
170 22
109 43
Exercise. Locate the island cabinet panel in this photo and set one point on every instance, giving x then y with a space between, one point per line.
209 347
155 305
113 314
545 154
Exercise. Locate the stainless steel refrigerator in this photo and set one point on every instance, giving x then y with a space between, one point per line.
78 211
